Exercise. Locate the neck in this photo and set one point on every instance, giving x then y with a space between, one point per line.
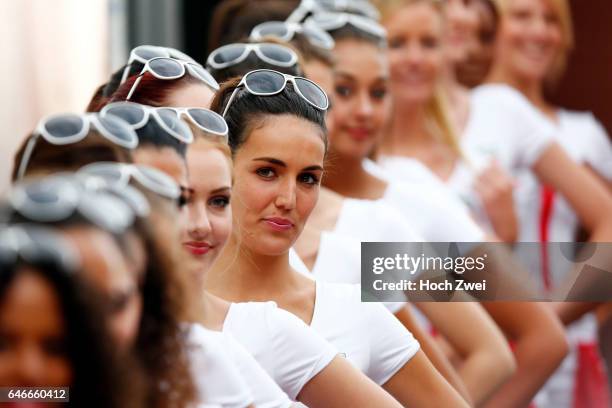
346 175
531 88
241 275
408 119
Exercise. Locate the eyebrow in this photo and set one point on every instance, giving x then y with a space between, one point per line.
282 163
221 190
345 75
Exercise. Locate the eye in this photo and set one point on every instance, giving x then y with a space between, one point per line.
379 93
186 197
308 178
429 42
219 201
396 42
4 342
343 91
54 346
265 172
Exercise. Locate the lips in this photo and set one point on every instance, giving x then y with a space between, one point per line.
278 223
198 248
359 134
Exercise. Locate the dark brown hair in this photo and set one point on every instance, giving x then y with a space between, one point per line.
233 20
248 110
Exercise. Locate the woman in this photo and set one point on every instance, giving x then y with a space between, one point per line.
276 189
317 368
546 27
142 297
306 381
422 73
362 106
50 331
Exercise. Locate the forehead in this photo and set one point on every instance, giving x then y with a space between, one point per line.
208 166
416 17
192 96
293 140
360 59
165 159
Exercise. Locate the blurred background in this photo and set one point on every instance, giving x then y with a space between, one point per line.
57 52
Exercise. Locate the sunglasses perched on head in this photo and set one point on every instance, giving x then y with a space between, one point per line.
358 7
137 116
233 54
120 175
266 82
170 68
71 128
330 21
285 31
59 197
144 53
35 244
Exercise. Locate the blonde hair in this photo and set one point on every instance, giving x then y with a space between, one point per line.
564 14
439 121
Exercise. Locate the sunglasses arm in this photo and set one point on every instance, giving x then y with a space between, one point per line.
27 155
229 103
134 87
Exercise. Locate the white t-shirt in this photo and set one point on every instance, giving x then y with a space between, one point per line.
265 392
367 334
502 124
374 221
458 188
215 375
434 216
290 352
585 141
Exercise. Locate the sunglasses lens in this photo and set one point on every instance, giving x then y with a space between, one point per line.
47 200
318 37
159 182
277 53
119 129
132 114
312 93
273 29
228 54
265 82
166 68
106 211
174 53
208 121
110 172
199 72
147 53
65 126
175 125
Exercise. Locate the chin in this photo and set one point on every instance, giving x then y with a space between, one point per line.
271 246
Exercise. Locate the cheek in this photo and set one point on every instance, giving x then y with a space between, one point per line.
306 201
60 371
251 196
222 226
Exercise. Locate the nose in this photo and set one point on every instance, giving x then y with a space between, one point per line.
286 197
30 370
364 105
414 54
199 222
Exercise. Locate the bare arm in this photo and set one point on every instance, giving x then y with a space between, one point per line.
495 189
432 351
588 196
540 346
419 384
341 385
486 360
